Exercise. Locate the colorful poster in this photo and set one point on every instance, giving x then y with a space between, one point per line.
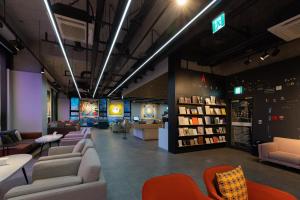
74 103
89 108
115 108
149 111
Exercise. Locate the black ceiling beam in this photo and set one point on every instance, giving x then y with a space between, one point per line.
144 36
97 29
118 14
89 49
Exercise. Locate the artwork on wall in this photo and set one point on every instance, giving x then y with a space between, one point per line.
149 111
74 103
115 108
89 108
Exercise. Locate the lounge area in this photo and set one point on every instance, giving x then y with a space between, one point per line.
149 100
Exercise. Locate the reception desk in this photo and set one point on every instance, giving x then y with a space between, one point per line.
146 131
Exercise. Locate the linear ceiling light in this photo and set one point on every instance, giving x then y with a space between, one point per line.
112 45
53 23
166 44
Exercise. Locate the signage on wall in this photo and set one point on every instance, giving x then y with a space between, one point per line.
218 22
238 90
115 109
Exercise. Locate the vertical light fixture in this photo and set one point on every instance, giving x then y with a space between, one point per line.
54 26
112 45
200 13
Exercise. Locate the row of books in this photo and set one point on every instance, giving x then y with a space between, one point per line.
191 142
215 111
212 100
199 120
215 139
201 141
200 131
189 111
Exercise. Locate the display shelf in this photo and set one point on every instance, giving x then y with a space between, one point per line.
185 136
214 124
199 115
214 134
191 125
191 104
216 105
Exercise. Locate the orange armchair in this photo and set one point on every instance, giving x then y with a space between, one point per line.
172 187
255 190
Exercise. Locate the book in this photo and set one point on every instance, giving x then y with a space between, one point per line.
212 112
195 131
181 100
207 101
187 100
182 110
190 122
211 140
223 111
207 120
183 120
188 111
181 132
207 140
196 141
200 121
200 111
222 102
192 142
217 111
180 143
207 110
200 140
195 121
195 100
209 131
200 130
215 139
191 132
213 100
194 111
216 120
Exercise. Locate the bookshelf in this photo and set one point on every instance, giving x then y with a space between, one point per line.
201 122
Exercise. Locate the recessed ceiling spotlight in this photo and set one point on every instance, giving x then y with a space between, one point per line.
43 71
181 2
264 56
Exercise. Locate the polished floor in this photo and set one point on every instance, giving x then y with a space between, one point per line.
128 163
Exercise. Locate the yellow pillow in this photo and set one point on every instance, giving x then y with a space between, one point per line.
232 184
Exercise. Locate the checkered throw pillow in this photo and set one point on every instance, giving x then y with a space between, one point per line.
232 184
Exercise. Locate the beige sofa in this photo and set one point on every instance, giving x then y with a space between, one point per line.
281 151
61 152
74 178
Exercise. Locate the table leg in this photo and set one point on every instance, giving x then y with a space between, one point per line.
50 144
24 172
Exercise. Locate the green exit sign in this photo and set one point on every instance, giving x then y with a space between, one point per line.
238 90
218 23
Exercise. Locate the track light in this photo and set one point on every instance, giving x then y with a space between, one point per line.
54 26
112 45
166 44
43 71
264 56
181 2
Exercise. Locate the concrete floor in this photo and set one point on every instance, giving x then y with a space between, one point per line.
127 164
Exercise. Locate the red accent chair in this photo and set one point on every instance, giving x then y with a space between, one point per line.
255 190
172 187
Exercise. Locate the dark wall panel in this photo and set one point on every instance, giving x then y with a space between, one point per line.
276 92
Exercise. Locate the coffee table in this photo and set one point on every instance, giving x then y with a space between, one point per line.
48 139
14 163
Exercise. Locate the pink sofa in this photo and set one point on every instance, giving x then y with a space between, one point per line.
281 151
72 139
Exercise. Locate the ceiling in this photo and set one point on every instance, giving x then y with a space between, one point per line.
148 24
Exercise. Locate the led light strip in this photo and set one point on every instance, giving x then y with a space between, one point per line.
166 44
112 45
53 23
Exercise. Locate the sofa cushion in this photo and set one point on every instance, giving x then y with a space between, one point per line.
288 145
18 134
232 184
285 157
90 166
79 146
88 144
43 185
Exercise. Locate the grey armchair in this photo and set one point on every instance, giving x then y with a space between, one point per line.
73 178
68 151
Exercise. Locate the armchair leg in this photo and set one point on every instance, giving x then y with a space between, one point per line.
25 175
